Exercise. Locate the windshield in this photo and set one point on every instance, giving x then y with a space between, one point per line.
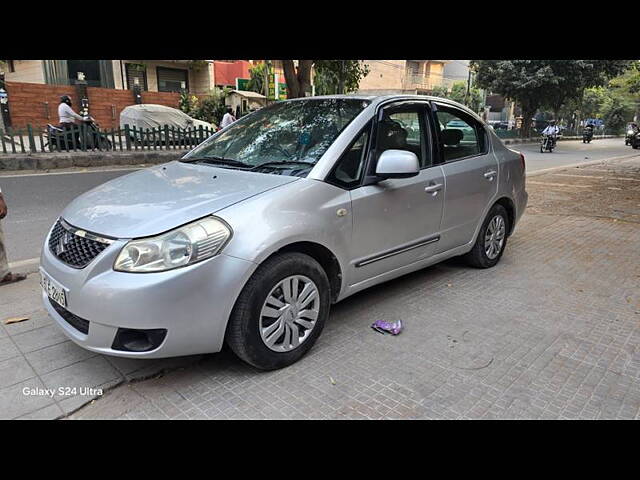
286 138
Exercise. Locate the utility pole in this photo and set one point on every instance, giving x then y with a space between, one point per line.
341 78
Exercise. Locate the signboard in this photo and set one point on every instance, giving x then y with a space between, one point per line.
272 83
282 91
242 83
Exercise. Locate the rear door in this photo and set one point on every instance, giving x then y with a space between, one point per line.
470 171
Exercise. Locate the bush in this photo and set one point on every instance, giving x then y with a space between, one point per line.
212 108
188 103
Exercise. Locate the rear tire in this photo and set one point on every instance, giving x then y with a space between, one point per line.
479 256
248 333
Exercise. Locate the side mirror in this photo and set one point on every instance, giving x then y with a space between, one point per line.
397 164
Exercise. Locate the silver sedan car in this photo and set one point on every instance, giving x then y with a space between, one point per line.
253 235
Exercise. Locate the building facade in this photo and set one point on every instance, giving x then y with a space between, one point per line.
402 76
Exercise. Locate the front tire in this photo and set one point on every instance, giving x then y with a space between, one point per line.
281 311
491 240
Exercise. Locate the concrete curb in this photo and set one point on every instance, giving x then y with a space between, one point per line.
518 141
52 161
582 164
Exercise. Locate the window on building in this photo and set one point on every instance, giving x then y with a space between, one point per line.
172 79
136 75
90 68
11 66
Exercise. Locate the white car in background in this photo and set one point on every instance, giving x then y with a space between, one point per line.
151 116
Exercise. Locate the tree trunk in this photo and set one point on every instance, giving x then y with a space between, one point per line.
298 80
527 114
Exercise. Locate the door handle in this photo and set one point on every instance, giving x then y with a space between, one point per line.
433 189
489 175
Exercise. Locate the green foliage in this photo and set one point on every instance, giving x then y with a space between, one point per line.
458 93
188 103
544 83
615 112
212 108
338 76
256 82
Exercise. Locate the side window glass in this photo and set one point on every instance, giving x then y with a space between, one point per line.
460 136
348 170
402 130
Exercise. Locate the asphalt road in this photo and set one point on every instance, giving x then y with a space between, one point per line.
35 200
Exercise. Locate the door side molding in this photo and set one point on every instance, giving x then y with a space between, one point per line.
395 251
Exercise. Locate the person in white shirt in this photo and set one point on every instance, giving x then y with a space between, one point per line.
66 114
5 275
552 131
228 118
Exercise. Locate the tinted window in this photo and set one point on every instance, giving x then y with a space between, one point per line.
348 170
460 135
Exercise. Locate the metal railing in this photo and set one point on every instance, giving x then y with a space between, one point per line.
84 138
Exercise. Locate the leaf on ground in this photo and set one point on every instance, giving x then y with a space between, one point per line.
15 320
333 382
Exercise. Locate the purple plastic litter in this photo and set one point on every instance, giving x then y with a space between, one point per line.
393 328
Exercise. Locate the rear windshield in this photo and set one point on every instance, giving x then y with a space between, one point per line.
283 138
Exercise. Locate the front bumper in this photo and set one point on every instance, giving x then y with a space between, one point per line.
192 303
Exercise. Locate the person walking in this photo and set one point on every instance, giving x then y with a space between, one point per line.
228 118
5 275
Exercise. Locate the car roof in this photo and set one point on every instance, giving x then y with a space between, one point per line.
380 99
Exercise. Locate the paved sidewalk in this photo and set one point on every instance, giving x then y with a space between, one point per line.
35 354
552 332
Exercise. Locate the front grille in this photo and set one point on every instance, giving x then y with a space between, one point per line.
76 322
74 247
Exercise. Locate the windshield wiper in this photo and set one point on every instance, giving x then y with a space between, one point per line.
218 161
285 162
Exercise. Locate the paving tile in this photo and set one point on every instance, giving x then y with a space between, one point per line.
57 356
7 349
20 399
39 338
15 370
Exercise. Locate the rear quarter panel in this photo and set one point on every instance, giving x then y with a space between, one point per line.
511 176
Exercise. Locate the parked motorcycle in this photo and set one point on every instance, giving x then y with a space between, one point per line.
548 143
635 140
83 137
587 135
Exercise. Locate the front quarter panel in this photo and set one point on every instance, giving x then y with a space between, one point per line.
304 211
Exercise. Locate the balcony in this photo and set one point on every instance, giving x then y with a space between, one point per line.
419 82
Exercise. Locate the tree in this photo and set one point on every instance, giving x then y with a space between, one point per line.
338 76
256 82
298 78
211 109
537 83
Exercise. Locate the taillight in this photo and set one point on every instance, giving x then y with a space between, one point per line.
522 161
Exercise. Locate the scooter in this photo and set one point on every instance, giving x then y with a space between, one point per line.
84 136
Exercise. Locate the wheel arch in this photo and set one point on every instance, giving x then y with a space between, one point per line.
321 254
510 207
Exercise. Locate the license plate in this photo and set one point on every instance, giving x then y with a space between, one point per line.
53 289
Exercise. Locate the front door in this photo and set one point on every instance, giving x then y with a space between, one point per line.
396 222
471 175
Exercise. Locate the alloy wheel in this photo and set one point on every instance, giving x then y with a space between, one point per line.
289 313
494 237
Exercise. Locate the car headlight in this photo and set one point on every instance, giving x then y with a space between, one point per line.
183 246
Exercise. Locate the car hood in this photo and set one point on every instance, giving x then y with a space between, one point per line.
157 199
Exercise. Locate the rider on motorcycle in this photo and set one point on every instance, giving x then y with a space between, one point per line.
551 131
66 113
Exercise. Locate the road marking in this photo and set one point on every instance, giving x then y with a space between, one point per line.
25 263
71 173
